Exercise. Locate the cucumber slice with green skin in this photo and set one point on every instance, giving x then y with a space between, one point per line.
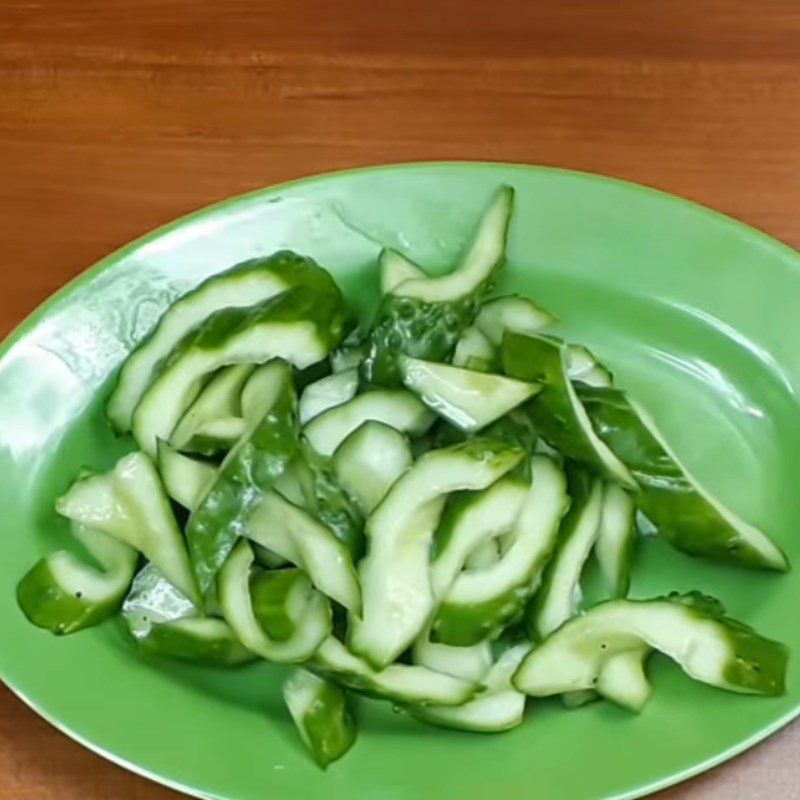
470 663
469 521
299 326
186 479
583 366
498 708
483 556
474 351
395 574
326 393
370 460
312 626
129 504
279 598
63 594
482 603
513 313
266 558
395 269
395 407
323 715
616 538
220 400
293 533
350 352
557 598
469 400
425 317
690 630
252 467
684 513
623 679
243 285
558 413
403 684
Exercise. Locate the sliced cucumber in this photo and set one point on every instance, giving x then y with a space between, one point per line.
63 594
202 640
395 268
482 603
474 351
322 714
513 313
470 663
395 407
708 647
279 597
623 680
684 513
242 285
558 596
395 574
483 556
403 684
186 479
327 393
616 537
370 460
300 326
129 504
583 366
469 400
558 412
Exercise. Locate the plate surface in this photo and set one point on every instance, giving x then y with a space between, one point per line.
695 313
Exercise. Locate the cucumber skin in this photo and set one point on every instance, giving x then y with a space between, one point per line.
166 640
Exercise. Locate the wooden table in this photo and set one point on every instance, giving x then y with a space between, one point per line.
116 116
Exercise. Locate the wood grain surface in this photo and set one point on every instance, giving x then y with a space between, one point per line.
118 116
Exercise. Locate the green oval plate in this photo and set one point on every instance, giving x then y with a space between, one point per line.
696 314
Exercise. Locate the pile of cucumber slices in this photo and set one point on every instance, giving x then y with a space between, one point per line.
403 509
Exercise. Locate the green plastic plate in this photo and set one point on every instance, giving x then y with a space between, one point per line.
697 316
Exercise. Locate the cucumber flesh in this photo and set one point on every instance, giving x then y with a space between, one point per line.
474 348
326 393
483 556
470 663
583 366
516 314
395 268
186 479
616 537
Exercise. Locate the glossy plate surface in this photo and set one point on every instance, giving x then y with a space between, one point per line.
695 313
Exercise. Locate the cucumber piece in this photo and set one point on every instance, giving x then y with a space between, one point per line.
623 680
498 708
512 313
220 400
63 594
685 513
558 596
395 268
201 640
322 714
279 598
470 663
152 600
266 558
616 538
242 285
327 393
370 460
403 684
469 400
395 407
425 317
395 574
299 326
689 629
293 533
129 504
482 603
312 624
474 351
252 467
583 366
186 479
558 412
483 556
350 352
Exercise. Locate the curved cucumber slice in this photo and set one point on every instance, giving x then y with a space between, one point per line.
291 532
242 285
312 626
558 412
470 663
482 603
474 351
708 647
326 393
483 556
616 537
220 400
623 680
516 314
129 504
370 460
684 513
399 683
469 400
252 467
201 640
583 366
557 598
186 479
63 594
395 407
322 714
300 326
395 574
395 268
